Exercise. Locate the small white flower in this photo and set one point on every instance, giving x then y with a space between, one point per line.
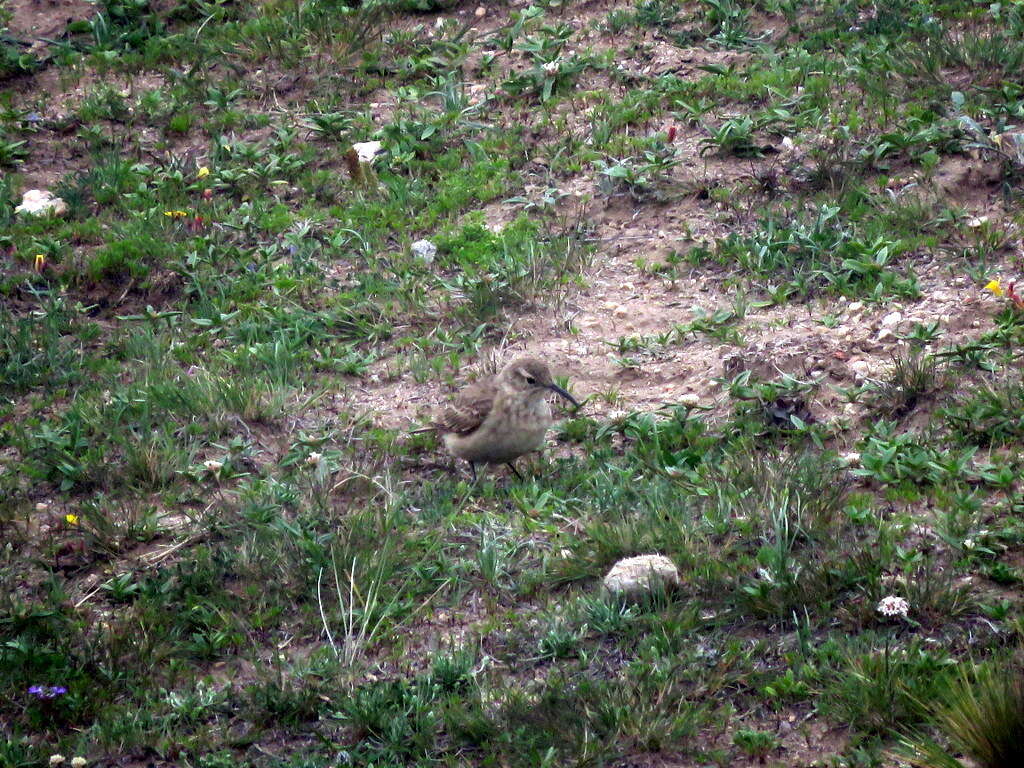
78 762
970 543
367 150
893 606
690 400
314 459
212 465
551 67
56 760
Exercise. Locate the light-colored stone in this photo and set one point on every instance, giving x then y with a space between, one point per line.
40 202
850 459
367 150
861 369
635 576
891 320
424 250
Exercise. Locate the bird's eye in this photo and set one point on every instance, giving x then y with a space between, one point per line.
530 380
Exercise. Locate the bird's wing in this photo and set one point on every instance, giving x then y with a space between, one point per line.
468 411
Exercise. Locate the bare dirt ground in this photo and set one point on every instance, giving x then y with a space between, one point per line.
39 20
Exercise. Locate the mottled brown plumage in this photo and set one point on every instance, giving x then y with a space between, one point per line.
498 420
469 410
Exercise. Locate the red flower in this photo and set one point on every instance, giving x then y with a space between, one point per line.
1013 296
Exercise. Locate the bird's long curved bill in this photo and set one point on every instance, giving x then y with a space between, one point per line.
558 390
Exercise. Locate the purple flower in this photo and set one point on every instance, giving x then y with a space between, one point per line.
47 691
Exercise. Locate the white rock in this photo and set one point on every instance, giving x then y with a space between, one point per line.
892 320
850 458
424 250
855 306
634 576
367 150
38 202
861 369
621 311
885 334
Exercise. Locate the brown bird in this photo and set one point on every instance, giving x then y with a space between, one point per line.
498 420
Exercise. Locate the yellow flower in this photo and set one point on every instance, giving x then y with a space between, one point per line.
40 262
203 173
994 287
176 214
71 519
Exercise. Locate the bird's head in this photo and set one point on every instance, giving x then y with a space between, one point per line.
528 374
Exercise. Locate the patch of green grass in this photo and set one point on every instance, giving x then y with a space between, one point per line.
980 715
819 255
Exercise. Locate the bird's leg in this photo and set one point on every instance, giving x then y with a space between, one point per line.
514 470
472 468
